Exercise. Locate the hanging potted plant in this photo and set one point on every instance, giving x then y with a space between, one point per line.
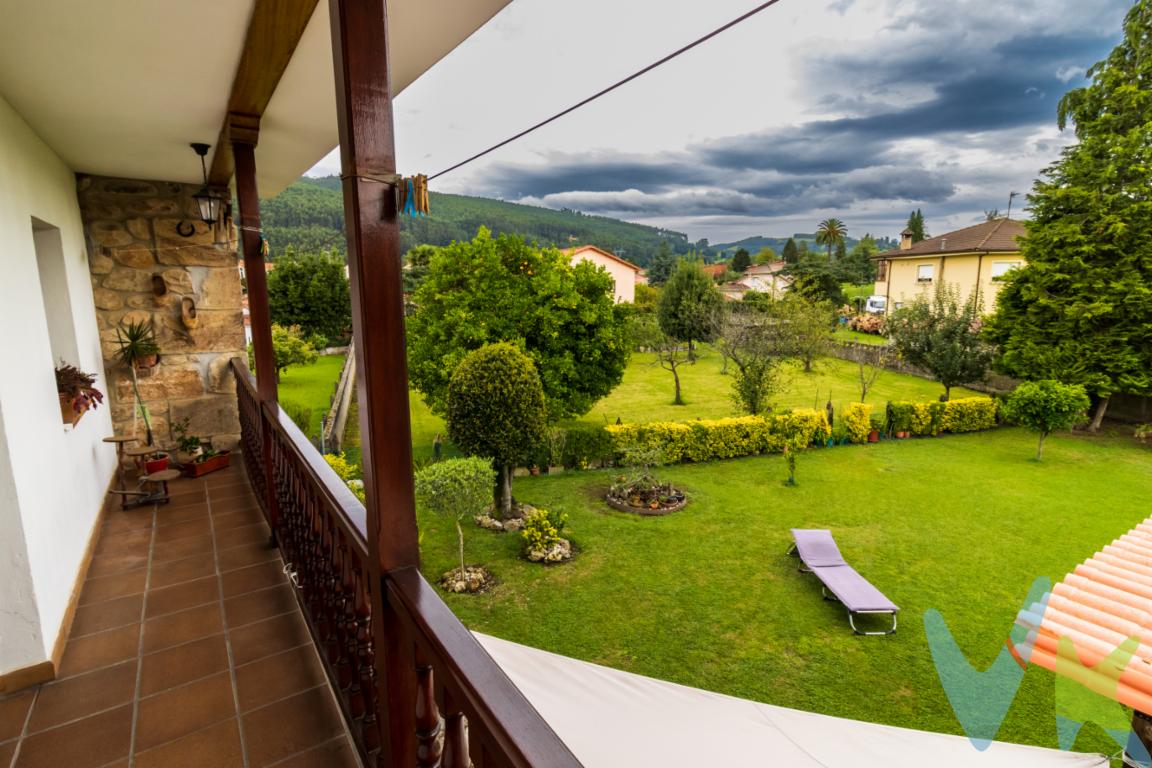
137 349
76 391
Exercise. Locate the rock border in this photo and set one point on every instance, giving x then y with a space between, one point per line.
621 506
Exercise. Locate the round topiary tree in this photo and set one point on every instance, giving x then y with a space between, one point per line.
496 409
1046 406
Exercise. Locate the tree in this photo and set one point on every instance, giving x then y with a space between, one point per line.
690 306
871 361
741 260
859 266
830 233
499 289
916 225
646 298
662 265
791 254
670 353
311 291
803 328
817 280
749 340
766 256
1046 406
416 263
289 347
496 410
942 336
455 488
1080 310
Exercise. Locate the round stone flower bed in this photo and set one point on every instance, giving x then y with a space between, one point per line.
472 580
650 499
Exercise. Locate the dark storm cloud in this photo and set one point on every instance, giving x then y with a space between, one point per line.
946 83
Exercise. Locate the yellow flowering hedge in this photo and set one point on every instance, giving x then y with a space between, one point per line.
857 420
965 414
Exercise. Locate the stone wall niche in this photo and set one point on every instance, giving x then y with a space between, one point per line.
136 243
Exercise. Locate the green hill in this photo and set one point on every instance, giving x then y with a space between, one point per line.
309 216
754 244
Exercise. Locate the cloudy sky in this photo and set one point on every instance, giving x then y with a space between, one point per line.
860 109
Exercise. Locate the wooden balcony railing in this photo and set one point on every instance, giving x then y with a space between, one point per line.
415 687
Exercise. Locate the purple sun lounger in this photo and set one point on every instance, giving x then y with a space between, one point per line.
820 555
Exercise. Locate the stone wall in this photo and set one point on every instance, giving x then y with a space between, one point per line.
131 229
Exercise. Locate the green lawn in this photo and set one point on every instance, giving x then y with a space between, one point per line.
706 597
845 334
310 387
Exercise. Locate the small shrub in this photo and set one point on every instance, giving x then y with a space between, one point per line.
542 529
857 421
348 472
969 414
455 488
1046 406
585 447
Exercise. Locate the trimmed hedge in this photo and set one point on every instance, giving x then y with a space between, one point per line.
705 440
586 447
857 421
966 414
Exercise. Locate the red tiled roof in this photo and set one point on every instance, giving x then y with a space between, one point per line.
998 235
715 270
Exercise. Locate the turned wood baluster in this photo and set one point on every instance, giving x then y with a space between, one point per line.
429 724
456 742
333 608
327 585
366 656
349 664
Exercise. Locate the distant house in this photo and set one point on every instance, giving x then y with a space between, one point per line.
974 259
623 272
733 291
767 278
715 271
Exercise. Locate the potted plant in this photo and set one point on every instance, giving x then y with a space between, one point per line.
157 461
877 423
137 349
188 446
76 391
195 454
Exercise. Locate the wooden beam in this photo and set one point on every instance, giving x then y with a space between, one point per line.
257 279
367 155
273 34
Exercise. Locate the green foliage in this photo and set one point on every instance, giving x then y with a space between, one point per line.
817 280
646 299
804 327
455 488
690 306
790 253
416 263
501 290
968 414
942 337
766 255
830 233
311 291
859 267
135 341
586 447
289 347
1080 311
542 530
348 472
857 421
1046 406
706 440
741 260
662 265
916 224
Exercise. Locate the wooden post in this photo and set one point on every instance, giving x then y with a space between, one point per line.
368 165
244 131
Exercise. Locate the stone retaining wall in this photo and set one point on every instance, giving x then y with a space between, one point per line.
131 228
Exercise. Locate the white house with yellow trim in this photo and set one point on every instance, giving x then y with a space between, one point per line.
974 259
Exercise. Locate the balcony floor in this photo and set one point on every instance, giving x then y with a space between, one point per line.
187 649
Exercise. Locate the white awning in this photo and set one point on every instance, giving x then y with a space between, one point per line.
612 719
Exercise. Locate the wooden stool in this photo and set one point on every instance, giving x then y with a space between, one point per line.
120 441
162 477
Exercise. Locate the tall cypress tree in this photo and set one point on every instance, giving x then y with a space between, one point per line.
916 224
1080 311
791 254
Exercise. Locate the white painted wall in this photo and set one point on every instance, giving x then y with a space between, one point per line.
52 478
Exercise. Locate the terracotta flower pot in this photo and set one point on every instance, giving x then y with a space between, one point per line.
874 436
156 465
211 464
147 361
68 414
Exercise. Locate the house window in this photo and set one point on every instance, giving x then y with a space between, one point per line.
882 270
924 273
54 292
1002 268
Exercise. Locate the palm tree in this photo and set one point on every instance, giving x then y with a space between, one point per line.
831 234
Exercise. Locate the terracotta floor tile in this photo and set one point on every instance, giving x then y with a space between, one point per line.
186 500
106 565
170 572
183 664
337 753
123 542
88 743
217 746
120 520
98 617
182 627
181 548
262 604
233 506
103 588
83 654
246 554
253 577
183 530
7 749
291 725
232 494
181 711
268 637
182 596
247 534
13 713
166 516
277 677
66 700
238 519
